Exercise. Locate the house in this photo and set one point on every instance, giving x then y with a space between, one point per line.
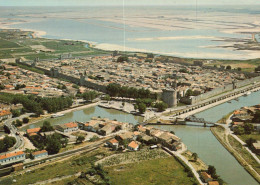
108 129
213 183
32 131
5 114
256 147
11 158
147 139
68 127
113 143
205 177
133 146
240 113
92 125
125 136
40 154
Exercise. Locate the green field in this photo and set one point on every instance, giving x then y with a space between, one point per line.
59 169
245 137
15 45
157 171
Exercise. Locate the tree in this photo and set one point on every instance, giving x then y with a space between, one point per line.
53 144
250 142
228 67
239 69
212 170
26 120
2 146
189 93
18 123
195 156
135 107
183 70
256 118
107 97
248 127
161 106
9 141
123 59
80 139
46 127
15 113
141 108
239 130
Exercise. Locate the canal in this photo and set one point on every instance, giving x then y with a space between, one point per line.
208 148
197 139
86 115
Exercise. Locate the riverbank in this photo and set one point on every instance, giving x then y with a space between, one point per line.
208 106
44 117
224 138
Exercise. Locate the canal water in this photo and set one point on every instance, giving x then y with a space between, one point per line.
208 148
86 115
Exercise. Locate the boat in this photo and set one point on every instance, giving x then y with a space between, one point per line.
237 99
229 101
248 93
56 115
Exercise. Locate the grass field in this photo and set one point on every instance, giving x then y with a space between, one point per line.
245 137
157 171
17 46
58 169
8 44
244 153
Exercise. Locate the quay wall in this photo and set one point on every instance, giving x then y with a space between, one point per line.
79 81
221 90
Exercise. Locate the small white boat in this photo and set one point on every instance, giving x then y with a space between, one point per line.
56 115
248 93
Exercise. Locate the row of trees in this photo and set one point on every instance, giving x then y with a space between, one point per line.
6 143
192 93
36 104
142 104
19 123
247 128
129 92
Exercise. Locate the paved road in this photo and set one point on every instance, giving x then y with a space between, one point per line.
230 132
197 176
13 130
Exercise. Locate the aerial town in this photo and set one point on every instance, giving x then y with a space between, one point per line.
72 113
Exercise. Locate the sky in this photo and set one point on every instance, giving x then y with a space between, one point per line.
120 2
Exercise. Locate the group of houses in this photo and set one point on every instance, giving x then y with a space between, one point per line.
145 135
19 157
103 126
6 110
206 178
245 115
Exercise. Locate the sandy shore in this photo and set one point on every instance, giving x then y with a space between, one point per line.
173 38
243 55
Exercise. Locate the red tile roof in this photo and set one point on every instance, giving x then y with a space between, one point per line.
213 183
113 141
71 125
11 155
5 112
33 130
39 152
133 144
